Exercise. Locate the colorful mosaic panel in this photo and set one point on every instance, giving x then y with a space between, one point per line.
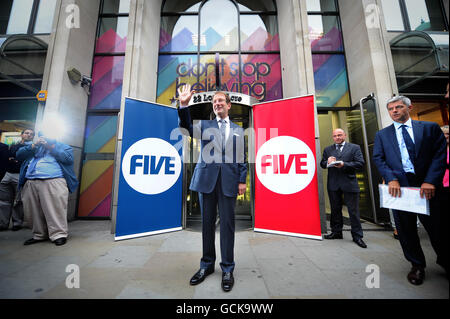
260 73
107 79
330 80
330 72
95 189
100 133
96 179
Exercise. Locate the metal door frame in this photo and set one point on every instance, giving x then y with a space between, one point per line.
371 96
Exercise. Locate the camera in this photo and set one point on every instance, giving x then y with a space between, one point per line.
50 141
86 81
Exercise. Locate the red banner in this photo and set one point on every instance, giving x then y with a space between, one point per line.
286 189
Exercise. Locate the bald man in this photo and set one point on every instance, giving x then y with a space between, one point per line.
342 159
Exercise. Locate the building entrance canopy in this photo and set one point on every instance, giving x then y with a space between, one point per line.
22 61
421 63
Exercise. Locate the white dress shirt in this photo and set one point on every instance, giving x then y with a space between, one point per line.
342 144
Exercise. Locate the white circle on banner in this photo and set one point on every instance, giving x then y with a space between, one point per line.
151 166
285 165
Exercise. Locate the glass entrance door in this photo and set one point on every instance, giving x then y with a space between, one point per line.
361 125
240 115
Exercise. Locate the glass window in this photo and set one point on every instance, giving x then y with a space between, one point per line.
330 72
18 110
228 70
106 93
19 17
261 76
107 78
425 15
324 33
257 75
259 33
95 188
392 15
116 6
182 6
44 19
179 33
175 71
251 5
112 37
417 14
321 5
5 11
100 134
220 30
330 80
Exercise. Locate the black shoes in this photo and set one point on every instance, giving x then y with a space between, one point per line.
357 240
60 241
32 241
360 242
200 276
416 275
227 281
57 242
333 236
227 278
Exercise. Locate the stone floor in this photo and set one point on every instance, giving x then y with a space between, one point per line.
160 266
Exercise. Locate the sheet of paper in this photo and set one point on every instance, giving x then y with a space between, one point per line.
333 164
409 201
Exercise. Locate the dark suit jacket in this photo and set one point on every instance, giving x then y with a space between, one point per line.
233 166
4 156
343 178
430 149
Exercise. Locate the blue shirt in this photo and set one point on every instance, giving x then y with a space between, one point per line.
408 167
46 167
62 153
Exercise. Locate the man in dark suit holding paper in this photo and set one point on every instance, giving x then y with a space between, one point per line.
219 176
412 153
342 160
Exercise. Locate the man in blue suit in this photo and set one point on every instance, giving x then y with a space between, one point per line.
412 153
219 176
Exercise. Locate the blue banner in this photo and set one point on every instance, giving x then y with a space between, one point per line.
150 184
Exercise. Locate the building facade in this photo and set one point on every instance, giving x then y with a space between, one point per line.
88 56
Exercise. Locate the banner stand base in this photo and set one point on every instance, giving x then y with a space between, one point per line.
276 232
117 238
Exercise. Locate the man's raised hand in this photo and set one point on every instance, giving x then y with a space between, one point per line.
185 94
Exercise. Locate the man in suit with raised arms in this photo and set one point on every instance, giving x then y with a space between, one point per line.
219 176
412 153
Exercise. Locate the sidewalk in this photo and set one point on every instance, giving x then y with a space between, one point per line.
160 266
